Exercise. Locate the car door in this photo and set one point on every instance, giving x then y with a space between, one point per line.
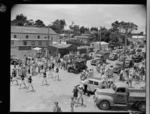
90 85
121 96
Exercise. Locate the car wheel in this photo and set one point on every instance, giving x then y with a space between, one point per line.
104 105
142 107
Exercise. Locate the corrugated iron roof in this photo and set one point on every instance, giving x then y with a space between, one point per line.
81 37
24 29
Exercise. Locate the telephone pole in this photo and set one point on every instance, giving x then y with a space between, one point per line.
48 42
99 35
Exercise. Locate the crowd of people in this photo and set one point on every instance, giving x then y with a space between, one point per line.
49 68
32 66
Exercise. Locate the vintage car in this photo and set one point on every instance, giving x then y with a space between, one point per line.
117 68
132 51
129 63
137 58
94 83
121 58
77 66
95 61
120 95
113 56
98 59
86 56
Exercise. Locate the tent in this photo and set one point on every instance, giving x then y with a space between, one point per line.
37 48
62 49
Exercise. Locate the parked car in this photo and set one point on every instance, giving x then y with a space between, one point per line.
137 58
121 58
120 95
98 58
77 66
117 68
86 56
94 83
132 51
113 56
95 61
129 63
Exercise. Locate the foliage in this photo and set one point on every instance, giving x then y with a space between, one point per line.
94 29
20 20
39 23
58 25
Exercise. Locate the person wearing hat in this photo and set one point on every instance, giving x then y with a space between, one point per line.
56 107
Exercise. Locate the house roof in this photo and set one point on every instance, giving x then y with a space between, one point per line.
25 29
84 47
82 37
101 42
137 36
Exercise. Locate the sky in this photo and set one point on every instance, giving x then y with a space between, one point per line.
88 15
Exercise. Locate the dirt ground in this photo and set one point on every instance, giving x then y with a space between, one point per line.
42 100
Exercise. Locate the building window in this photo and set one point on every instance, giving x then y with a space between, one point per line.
15 36
40 42
33 42
12 42
27 36
25 43
38 37
47 42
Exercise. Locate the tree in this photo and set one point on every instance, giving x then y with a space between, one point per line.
39 23
76 29
58 25
82 29
94 29
20 20
29 22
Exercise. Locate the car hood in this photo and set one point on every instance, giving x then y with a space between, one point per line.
105 91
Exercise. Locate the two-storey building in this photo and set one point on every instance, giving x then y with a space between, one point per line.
26 38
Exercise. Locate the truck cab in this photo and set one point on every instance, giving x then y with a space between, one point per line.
120 96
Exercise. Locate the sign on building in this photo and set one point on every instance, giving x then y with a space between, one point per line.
24 47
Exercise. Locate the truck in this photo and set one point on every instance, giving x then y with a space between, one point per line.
77 66
120 95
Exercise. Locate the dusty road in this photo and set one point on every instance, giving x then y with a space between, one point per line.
44 96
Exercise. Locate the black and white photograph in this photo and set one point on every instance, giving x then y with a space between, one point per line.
78 58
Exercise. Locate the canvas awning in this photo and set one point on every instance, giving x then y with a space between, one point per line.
37 48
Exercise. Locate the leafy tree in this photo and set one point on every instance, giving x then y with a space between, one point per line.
82 30
20 20
39 23
76 29
29 22
58 25
94 29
